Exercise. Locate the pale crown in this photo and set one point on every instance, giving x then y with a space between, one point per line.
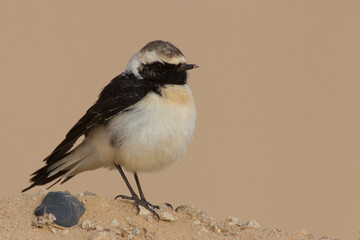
155 51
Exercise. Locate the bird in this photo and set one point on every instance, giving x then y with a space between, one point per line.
142 121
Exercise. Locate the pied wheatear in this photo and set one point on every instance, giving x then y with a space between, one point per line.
142 121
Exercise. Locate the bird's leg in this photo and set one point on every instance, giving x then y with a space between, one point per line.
142 196
133 194
138 201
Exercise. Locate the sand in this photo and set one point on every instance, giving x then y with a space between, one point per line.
107 218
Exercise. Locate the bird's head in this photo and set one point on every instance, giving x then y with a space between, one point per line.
161 62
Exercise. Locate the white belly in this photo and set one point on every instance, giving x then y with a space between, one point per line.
156 131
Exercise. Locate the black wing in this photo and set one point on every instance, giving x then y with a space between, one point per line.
122 92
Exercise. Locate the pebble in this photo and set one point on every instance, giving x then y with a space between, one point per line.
223 228
215 229
114 223
41 221
98 227
87 225
135 231
144 211
102 235
167 216
65 207
88 193
197 222
232 220
253 224
305 232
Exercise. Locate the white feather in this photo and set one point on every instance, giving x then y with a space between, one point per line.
71 170
156 131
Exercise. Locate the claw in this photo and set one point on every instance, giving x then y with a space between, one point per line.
124 197
169 205
141 202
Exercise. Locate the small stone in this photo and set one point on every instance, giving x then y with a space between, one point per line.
53 230
41 221
102 235
223 228
114 223
66 231
144 211
215 229
203 217
305 232
65 207
232 220
98 227
167 216
253 224
197 222
88 193
87 225
135 231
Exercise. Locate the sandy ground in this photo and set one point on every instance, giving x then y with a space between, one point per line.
107 218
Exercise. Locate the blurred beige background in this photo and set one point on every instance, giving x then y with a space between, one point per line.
277 93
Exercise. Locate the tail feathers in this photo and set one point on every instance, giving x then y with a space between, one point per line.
42 179
64 169
68 173
64 164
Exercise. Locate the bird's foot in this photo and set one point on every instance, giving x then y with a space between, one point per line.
169 205
142 202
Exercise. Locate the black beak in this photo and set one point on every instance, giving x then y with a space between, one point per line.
185 67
